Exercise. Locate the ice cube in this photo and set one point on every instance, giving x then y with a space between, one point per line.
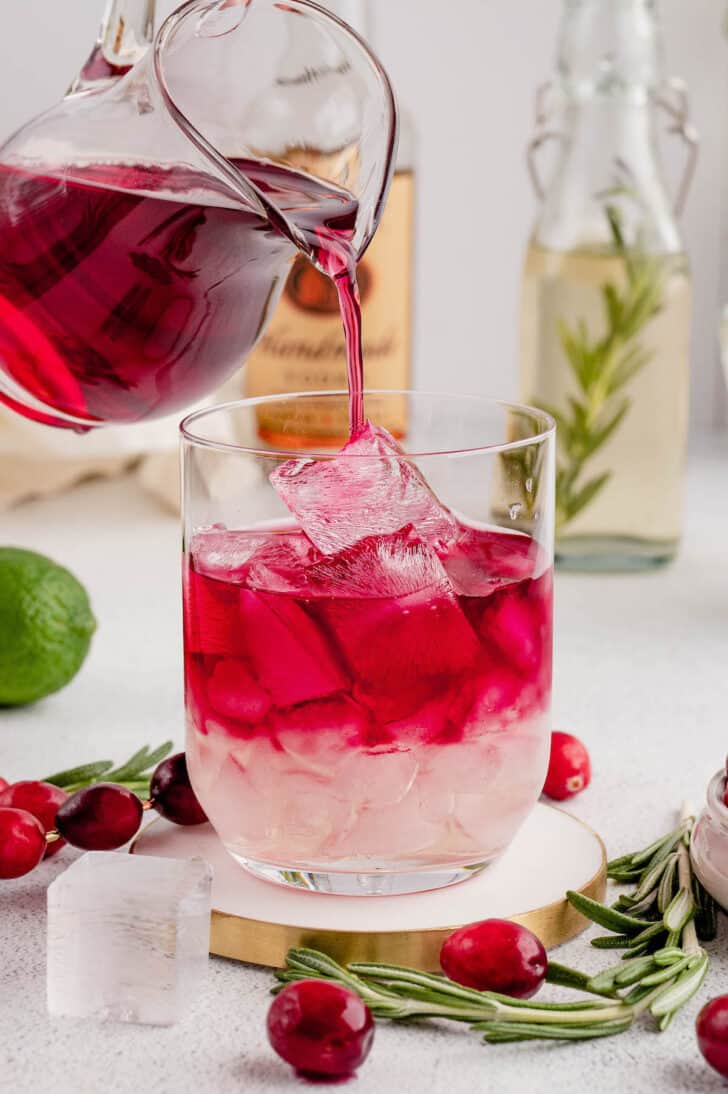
318 737
512 778
439 721
378 567
378 778
128 938
280 564
289 654
402 650
371 488
479 560
397 831
223 553
268 809
465 767
502 696
511 624
235 693
211 619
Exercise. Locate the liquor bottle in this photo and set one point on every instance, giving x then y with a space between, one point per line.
303 350
606 303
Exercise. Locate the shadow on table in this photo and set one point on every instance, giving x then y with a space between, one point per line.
689 1077
267 1073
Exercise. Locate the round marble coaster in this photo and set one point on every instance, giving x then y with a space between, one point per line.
258 922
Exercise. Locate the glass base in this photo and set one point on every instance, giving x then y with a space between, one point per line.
613 554
379 883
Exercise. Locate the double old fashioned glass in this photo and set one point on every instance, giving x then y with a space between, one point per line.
368 639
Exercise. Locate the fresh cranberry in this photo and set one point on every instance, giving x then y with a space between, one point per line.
43 800
3 784
495 955
712 1030
22 842
569 767
321 1029
172 795
100 818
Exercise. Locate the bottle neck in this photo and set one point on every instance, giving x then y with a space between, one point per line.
126 33
609 156
610 48
610 67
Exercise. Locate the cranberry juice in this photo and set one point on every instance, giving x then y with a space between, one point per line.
128 293
366 691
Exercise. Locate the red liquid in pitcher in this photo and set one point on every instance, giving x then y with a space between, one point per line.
129 293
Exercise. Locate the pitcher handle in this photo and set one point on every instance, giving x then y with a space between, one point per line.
544 134
672 100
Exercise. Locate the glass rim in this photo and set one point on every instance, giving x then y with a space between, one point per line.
540 435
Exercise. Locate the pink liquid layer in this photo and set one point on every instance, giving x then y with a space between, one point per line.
130 292
333 728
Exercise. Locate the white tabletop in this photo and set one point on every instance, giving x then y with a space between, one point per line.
641 675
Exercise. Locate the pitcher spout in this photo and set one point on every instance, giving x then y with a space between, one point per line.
125 36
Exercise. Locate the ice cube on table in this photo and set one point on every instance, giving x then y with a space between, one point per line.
128 938
370 488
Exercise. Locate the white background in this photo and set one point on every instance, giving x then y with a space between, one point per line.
466 70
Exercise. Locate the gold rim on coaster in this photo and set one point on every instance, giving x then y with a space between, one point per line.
258 942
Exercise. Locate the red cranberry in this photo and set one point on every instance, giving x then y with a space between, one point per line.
321 1029
100 818
3 784
22 842
43 800
495 955
172 795
569 767
712 1030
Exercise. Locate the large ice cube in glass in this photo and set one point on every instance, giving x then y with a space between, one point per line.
480 560
371 488
379 567
396 620
290 655
128 938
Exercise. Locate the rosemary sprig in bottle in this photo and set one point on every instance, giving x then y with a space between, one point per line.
603 367
659 926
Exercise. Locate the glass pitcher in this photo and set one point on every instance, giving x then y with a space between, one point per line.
606 305
148 222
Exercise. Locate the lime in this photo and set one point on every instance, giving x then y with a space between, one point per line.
46 624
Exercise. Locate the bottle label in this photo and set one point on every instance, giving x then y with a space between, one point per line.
303 348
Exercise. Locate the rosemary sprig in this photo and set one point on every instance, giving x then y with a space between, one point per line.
659 926
405 994
135 774
603 366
